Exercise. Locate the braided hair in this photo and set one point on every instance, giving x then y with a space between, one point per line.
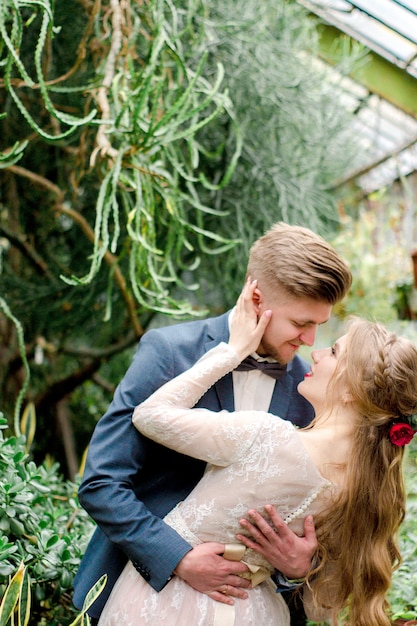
358 549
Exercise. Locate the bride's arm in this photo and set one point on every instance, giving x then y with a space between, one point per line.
167 417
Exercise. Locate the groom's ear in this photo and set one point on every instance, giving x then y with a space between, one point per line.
258 299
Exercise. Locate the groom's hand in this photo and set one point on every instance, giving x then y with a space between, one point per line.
283 549
205 569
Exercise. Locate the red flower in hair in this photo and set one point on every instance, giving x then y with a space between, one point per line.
400 434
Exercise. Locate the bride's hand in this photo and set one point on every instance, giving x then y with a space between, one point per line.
246 330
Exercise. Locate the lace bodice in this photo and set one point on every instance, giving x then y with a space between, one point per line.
254 458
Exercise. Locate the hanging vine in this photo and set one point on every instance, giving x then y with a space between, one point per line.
147 103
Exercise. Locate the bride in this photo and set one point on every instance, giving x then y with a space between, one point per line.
345 470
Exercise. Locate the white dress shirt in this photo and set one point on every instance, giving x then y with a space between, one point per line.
253 389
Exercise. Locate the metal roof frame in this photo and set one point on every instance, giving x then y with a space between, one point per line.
383 93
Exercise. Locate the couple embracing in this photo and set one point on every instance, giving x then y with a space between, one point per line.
205 500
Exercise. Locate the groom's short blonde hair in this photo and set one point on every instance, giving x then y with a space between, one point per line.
294 261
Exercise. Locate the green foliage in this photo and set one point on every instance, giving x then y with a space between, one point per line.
13 154
17 593
152 178
16 603
296 131
181 90
21 343
42 527
371 244
13 23
142 150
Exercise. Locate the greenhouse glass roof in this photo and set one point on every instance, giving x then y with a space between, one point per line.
387 126
389 27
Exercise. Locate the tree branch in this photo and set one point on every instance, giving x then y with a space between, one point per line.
104 146
101 353
109 258
57 390
19 242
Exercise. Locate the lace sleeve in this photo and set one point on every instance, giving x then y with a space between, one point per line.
167 415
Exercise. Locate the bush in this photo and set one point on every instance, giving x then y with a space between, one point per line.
42 527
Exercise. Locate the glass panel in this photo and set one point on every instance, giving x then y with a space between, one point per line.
388 27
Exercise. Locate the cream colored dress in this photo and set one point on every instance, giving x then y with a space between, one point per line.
254 458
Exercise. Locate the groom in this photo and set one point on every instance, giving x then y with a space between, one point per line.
130 483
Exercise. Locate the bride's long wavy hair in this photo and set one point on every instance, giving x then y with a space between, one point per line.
357 534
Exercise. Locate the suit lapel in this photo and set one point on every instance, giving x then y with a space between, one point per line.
224 390
281 397
224 386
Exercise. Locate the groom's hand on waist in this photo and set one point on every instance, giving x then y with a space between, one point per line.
205 569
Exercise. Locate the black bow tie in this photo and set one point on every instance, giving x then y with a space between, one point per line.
276 370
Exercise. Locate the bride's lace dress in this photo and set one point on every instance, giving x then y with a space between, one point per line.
254 458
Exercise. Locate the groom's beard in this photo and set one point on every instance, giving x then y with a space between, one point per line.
266 349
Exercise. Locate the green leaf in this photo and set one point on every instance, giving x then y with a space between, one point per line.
24 601
16 527
28 424
90 598
52 541
14 155
11 596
